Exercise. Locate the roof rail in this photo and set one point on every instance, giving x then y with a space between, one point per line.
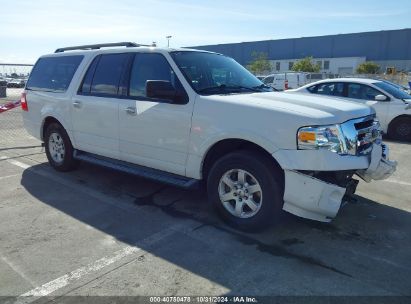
98 46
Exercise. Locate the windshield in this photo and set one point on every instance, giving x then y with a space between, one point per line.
393 90
210 73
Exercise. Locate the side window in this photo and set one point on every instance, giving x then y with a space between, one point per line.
331 89
361 91
53 73
354 90
312 89
108 74
150 67
369 93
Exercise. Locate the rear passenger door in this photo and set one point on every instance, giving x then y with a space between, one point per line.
95 107
153 132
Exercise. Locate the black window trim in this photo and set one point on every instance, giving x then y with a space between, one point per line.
96 59
125 79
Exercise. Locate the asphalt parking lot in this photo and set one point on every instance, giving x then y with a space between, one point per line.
99 232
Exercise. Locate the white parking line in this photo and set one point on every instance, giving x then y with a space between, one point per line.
395 181
8 176
54 285
17 270
77 187
18 163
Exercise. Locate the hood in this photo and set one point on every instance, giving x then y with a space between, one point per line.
315 109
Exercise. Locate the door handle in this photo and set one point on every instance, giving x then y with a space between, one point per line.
131 110
77 104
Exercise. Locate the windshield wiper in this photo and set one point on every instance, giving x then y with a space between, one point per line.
226 89
264 86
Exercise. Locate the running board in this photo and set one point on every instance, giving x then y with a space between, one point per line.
141 171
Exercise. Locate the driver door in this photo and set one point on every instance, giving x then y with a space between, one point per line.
154 133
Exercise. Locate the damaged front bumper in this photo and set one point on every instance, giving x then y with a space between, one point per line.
310 197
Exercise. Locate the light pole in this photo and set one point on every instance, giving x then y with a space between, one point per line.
168 40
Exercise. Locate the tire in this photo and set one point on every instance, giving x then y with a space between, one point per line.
268 202
59 149
400 128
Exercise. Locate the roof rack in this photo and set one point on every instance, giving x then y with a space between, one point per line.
99 46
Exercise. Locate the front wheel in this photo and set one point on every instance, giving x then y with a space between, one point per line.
246 189
59 149
400 129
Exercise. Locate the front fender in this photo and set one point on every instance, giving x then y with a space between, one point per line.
199 149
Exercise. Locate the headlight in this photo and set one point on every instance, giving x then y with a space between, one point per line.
323 137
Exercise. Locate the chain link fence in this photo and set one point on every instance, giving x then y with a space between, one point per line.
12 132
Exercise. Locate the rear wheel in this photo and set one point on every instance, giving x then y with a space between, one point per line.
400 128
246 189
59 149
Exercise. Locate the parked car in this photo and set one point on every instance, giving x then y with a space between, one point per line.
285 81
16 83
183 116
391 104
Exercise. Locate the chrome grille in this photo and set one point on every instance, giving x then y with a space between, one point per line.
360 134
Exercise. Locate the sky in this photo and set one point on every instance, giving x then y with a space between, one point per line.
31 28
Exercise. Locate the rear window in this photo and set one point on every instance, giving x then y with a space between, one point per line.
53 74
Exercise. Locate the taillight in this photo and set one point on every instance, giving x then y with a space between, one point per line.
23 102
286 85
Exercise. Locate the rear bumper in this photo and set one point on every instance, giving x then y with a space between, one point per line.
32 128
309 197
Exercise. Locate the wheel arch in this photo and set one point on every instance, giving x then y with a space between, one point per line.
222 147
49 120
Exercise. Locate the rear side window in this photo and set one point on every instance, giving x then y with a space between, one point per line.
105 74
332 89
53 74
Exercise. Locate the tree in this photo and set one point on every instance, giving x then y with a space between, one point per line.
368 67
306 65
259 64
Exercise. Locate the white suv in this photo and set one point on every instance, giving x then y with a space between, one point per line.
182 116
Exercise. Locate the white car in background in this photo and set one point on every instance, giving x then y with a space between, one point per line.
392 105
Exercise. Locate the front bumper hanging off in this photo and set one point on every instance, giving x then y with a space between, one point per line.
309 197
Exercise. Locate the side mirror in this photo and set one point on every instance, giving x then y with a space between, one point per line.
381 98
160 89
